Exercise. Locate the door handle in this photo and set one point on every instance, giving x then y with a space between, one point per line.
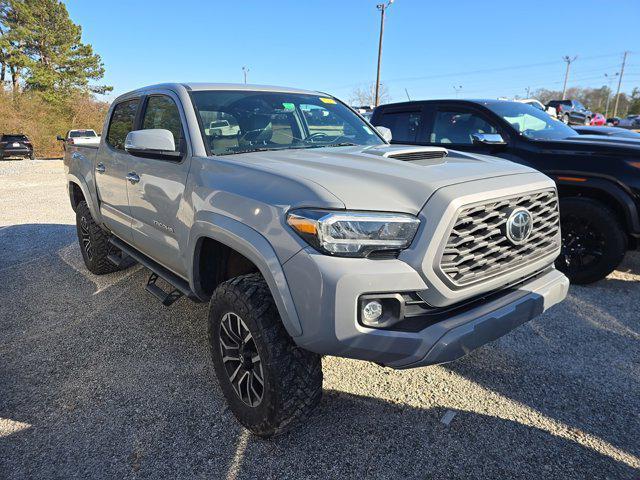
132 177
100 168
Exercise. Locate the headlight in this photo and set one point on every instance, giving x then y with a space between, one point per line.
353 234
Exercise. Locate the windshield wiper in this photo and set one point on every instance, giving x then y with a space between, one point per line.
341 144
248 150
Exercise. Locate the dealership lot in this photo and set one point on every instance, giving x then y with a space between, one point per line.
97 378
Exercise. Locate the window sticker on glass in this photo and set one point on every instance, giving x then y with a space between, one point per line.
327 100
288 106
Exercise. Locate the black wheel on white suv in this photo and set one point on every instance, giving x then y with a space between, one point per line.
94 242
268 381
593 240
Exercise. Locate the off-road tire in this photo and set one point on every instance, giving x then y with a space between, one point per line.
95 257
292 376
596 219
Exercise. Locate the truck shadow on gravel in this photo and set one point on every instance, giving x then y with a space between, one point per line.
105 382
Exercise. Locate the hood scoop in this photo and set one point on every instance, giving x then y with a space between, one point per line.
434 155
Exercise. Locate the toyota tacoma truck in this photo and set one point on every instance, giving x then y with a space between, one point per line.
309 234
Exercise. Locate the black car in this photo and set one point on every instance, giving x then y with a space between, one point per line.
598 182
571 112
15 145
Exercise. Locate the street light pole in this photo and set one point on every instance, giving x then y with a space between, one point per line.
567 59
615 107
610 78
245 70
382 7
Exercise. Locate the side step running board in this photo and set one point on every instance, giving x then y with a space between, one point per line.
166 298
121 261
181 287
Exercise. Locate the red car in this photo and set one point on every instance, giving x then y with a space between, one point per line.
598 120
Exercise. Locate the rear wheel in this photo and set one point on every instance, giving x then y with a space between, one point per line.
94 242
268 381
565 119
593 241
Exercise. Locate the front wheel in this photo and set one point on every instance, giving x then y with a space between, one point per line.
593 241
268 381
565 119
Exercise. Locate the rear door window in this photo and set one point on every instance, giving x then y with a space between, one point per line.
122 122
162 112
457 127
405 126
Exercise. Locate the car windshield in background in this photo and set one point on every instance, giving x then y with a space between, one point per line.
531 122
82 133
242 121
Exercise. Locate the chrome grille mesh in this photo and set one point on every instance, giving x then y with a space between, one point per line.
477 247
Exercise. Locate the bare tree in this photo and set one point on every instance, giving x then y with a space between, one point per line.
366 96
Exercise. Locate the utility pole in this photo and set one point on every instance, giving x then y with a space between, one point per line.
569 60
245 70
615 107
610 78
407 92
382 7
457 89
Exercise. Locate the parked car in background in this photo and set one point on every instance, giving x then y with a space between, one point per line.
598 181
611 132
571 112
538 104
80 137
631 121
310 235
15 145
613 121
597 120
222 128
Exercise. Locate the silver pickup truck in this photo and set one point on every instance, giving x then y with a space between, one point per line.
309 235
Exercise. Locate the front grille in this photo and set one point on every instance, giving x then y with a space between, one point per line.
419 155
477 247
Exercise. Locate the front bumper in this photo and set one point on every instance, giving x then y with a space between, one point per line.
326 290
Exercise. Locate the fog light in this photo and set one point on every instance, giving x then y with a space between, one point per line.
371 311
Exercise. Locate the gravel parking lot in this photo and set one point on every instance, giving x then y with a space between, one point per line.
98 380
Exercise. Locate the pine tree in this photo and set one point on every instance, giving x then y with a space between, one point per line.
40 43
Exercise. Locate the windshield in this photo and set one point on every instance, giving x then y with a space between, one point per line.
82 133
248 121
531 122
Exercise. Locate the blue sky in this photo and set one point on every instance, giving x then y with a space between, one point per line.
490 48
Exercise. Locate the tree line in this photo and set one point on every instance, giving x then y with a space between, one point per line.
46 74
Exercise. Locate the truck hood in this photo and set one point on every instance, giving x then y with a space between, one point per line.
365 178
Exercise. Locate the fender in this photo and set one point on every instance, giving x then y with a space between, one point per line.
256 248
619 192
86 193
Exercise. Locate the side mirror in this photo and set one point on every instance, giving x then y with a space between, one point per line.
385 132
60 138
487 139
154 143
